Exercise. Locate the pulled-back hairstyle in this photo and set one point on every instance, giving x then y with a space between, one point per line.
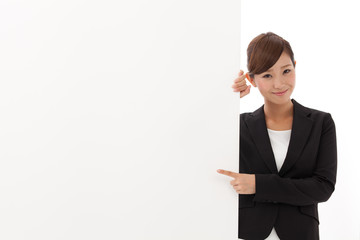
264 51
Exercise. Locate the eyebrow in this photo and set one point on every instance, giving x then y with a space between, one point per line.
270 70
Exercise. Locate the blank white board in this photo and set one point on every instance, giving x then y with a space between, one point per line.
115 116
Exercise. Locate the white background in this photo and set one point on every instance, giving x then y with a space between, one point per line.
115 115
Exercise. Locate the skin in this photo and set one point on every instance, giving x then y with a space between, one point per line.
278 109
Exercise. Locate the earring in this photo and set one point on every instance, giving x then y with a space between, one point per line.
251 81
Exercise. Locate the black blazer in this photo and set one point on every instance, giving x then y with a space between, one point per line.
288 199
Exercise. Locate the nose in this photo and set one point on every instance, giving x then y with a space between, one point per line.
279 83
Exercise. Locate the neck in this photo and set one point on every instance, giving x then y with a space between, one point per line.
278 112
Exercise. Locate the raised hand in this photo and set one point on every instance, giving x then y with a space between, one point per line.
240 85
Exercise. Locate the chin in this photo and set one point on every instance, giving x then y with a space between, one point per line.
279 100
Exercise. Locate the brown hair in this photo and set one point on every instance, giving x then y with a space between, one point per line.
264 51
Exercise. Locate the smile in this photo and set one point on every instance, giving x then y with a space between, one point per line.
281 93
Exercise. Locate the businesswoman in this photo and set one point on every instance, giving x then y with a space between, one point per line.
288 154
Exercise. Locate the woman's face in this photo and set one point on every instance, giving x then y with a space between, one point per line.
279 78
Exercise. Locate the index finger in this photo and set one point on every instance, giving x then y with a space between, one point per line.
227 173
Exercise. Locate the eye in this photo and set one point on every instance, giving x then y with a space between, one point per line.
266 75
286 70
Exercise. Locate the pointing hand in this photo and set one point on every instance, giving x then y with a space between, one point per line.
243 183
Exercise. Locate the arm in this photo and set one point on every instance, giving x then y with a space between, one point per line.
304 191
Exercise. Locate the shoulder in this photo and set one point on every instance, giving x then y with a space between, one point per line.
316 115
245 115
257 113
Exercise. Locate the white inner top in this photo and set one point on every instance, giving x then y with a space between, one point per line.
279 142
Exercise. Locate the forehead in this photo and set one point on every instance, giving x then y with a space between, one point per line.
282 62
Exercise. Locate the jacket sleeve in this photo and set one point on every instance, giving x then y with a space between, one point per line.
304 191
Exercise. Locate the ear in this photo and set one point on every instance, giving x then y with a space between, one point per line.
295 63
251 80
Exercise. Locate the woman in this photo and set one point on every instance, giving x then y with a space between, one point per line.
288 154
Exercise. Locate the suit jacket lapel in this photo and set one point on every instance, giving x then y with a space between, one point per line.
301 128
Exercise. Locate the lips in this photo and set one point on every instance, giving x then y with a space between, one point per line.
280 92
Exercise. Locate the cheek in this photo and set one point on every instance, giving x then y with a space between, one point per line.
292 81
292 78
263 86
